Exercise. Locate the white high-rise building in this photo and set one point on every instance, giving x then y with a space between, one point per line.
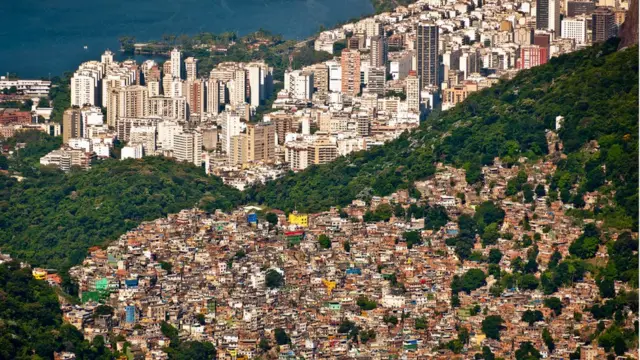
107 58
335 75
84 88
231 126
145 136
213 96
576 29
153 86
191 68
175 63
188 147
167 130
299 84
238 88
91 116
260 82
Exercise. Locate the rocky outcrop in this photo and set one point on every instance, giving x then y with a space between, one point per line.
628 33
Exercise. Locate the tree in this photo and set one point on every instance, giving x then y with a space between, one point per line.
412 238
281 336
365 304
491 326
540 191
527 192
324 241
532 316
273 279
554 304
548 340
495 256
487 354
527 352
390 319
607 288
471 280
490 235
272 218
264 344
421 323
346 246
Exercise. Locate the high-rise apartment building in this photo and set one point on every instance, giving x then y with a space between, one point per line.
320 79
133 101
260 78
376 79
299 84
324 151
238 88
176 63
335 75
427 54
238 150
85 86
261 142
603 24
187 147
413 92
71 124
230 126
145 136
350 65
213 96
195 94
378 51
191 68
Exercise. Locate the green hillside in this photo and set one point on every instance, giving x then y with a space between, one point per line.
52 219
596 90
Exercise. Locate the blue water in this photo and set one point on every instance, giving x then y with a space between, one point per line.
42 37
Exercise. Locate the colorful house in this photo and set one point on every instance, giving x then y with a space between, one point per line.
299 219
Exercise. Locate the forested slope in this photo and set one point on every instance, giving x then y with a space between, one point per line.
595 89
52 219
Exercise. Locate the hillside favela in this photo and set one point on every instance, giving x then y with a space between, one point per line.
440 179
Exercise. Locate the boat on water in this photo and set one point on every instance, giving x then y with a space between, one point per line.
86 47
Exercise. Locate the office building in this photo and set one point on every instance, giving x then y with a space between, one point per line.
171 108
575 8
350 65
548 16
427 54
576 29
603 24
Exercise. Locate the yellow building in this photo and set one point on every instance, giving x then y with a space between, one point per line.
39 274
298 219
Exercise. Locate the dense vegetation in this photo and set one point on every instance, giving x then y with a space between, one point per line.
595 89
31 320
51 219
